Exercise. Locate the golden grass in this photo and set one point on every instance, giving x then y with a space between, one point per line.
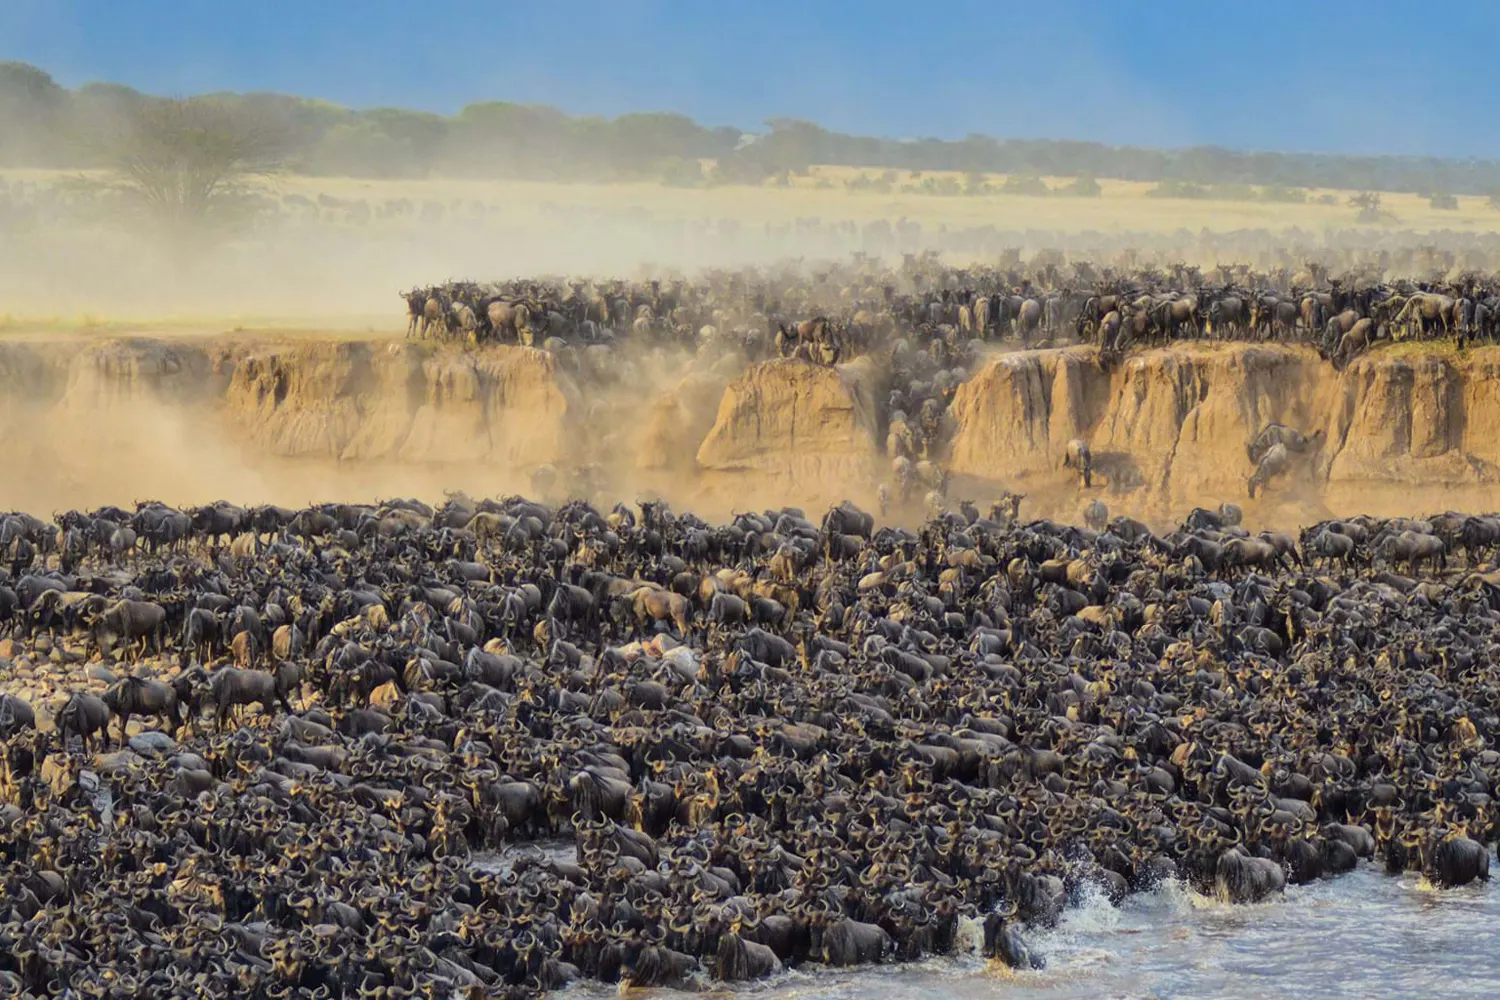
822 194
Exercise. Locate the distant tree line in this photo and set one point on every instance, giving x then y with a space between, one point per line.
43 124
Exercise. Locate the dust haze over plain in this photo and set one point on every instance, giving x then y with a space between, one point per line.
1074 70
97 427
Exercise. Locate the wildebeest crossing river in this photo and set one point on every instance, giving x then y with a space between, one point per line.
1365 936
498 749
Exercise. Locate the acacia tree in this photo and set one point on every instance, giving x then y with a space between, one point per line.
188 167
31 104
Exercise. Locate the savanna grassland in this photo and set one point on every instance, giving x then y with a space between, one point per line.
824 192
328 253
837 193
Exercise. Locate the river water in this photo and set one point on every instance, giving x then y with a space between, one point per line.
1365 936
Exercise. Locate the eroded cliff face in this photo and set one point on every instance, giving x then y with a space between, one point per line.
1169 429
116 420
801 432
113 421
400 402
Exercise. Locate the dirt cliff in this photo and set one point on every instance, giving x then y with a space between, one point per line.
800 432
110 421
402 402
84 422
1401 429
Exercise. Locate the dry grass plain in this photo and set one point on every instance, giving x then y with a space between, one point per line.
822 193
319 273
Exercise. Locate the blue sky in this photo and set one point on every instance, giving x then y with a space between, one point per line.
1377 76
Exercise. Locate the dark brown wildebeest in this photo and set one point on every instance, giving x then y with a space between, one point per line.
416 303
1273 434
231 687
141 696
15 715
129 621
84 714
1174 314
1227 315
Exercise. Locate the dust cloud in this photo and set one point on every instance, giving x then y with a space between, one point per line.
298 420
271 368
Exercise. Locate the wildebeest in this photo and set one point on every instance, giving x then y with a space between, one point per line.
245 649
1096 515
1111 333
142 696
651 605
416 301
740 960
1273 434
512 318
15 716
462 319
851 942
200 635
1004 942
1178 312
1226 315
1240 878
1325 545
1458 861
231 687
516 806
1359 336
571 604
727 609
1272 464
1412 548
1078 455
847 519
133 621
84 714
1427 311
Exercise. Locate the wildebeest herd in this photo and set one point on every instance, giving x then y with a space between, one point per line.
867 305
927 326
776 741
